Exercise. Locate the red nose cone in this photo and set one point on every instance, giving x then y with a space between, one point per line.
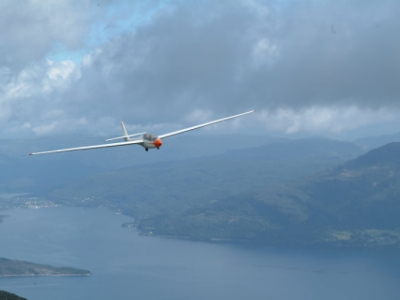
157 143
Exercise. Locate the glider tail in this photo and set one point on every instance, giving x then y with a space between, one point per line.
124 132
125 136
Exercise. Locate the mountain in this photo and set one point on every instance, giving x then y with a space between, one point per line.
377 141
356 203
177 148
18 175
22 173
175 186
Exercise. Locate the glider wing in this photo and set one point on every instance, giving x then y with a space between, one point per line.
139 141
163 136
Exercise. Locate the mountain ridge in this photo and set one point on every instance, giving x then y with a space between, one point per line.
356 203
170 187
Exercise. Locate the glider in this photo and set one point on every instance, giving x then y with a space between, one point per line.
147 140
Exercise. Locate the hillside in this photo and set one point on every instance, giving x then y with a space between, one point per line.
356 203
20 173
172 187
10 296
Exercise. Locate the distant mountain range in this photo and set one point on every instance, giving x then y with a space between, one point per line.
356 203
377 141
253 189
22 173
171 187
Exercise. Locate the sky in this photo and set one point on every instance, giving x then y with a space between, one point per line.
309 67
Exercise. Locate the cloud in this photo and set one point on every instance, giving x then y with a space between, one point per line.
307 66
35 96
32 29
356 64
322 120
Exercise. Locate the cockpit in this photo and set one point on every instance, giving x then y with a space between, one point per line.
149 137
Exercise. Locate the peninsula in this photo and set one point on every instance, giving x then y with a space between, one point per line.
10 268
9 296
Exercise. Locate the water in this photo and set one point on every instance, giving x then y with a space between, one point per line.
128 266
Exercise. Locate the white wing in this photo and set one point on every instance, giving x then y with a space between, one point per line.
202 125
140 141
91 147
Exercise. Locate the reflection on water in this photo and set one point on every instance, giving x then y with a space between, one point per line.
126 265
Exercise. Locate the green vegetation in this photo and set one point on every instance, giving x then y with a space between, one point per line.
22 268
300 192
9 296
39 174
355 204
174 187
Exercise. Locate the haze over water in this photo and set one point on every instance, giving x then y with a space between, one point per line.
128 266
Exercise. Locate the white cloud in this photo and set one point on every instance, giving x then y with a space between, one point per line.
33 97
324 120
264 52
39 80
30 30
198 116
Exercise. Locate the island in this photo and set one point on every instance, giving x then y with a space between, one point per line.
10 268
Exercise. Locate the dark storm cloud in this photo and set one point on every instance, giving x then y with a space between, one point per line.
301 63
179 63
233 57
334 53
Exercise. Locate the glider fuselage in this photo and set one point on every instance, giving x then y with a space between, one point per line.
150 141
